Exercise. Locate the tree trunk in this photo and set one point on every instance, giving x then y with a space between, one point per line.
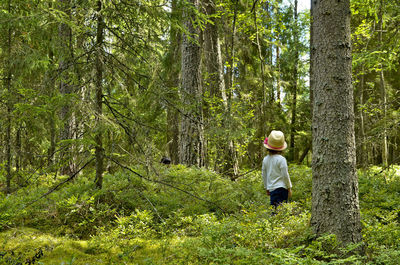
278 77
18 149
385 152
65 35
50 85
7 85
99 151
363 154
213 56
230 152
191 138
305 152
8 148
312 59
292 150
231 76
217 87
173 68
335 207
262 96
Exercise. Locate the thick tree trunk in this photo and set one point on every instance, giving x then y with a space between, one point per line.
99 151
335 207
213 56
191 149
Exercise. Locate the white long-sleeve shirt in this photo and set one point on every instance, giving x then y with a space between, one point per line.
275 173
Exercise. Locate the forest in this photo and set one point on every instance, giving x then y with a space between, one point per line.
132 131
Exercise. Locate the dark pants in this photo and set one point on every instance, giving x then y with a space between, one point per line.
278 196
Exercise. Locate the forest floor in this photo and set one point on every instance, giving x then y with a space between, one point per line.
215 221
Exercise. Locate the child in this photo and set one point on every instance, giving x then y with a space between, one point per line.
275 170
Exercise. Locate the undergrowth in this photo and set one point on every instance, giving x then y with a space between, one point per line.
189 216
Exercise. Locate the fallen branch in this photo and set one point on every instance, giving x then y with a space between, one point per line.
164 183
59 184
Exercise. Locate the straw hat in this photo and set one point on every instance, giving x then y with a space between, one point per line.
275 141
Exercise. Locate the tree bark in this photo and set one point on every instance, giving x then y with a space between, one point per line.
335 206
191 138
99 151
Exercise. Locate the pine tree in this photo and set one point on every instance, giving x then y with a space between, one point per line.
335 207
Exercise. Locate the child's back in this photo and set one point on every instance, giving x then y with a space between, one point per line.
275 169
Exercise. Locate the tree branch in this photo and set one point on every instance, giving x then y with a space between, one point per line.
59 184
164 183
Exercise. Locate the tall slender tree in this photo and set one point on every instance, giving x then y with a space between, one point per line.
173 69
335 206
292 150
382 85
99 151
65 88
7 75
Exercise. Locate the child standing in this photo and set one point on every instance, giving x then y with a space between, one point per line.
275 169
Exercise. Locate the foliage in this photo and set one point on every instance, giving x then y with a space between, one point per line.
135 221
